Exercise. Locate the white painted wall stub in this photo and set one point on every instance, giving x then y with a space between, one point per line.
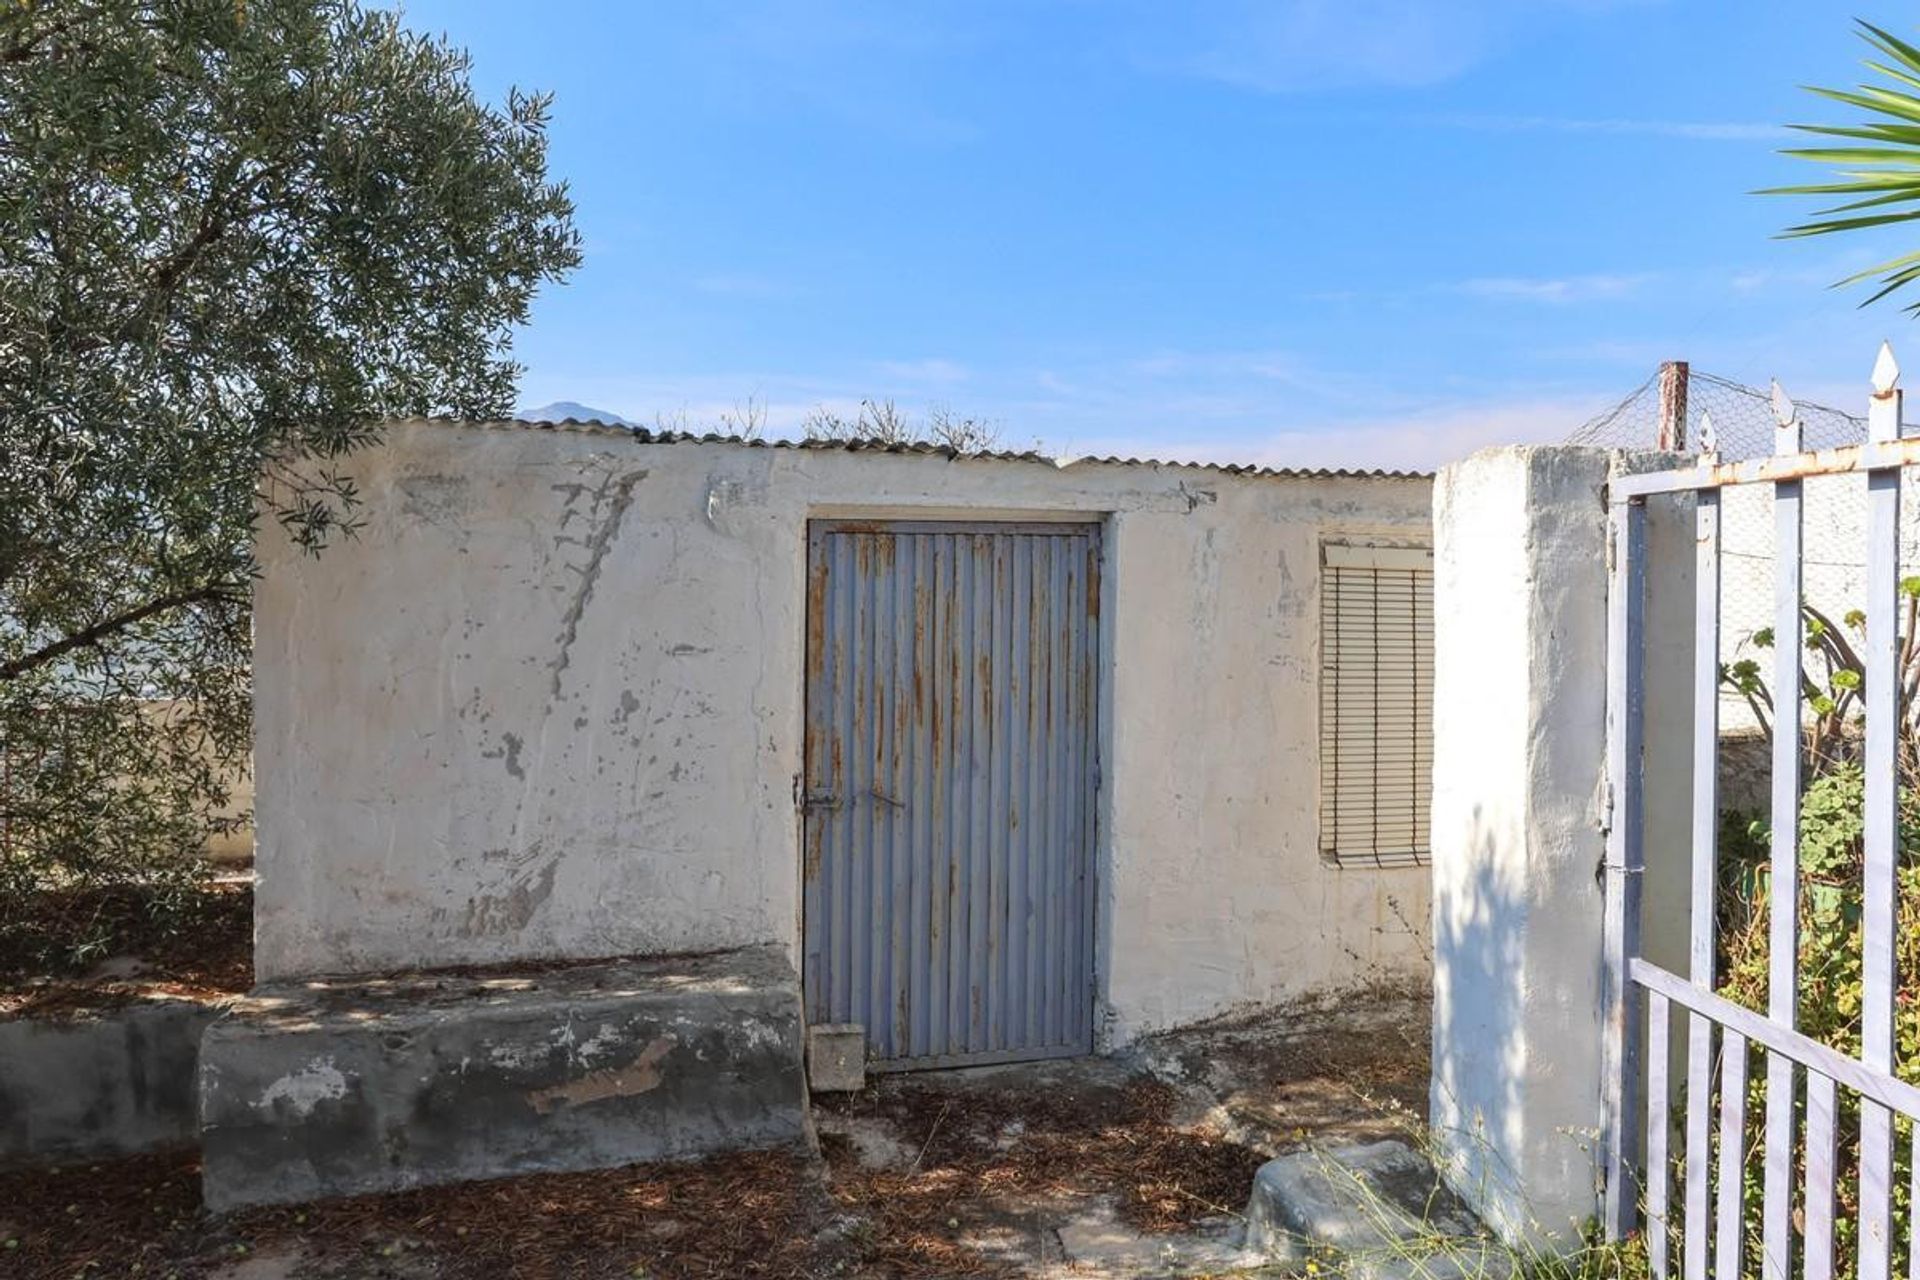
548 703
1520 684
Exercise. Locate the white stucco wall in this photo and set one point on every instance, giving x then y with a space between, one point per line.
548 703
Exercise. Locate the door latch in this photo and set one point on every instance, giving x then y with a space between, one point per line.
812 800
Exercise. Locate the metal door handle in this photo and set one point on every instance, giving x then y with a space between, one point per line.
886 799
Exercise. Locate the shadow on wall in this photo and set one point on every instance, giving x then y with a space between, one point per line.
1475 1107
1513 1115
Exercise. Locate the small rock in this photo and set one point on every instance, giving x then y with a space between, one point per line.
1381 1205
118 969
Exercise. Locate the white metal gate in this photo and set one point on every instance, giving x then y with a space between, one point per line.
1709 1223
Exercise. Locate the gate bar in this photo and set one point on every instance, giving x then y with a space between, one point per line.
1783 895
1822 1114
1770 1035
1659 1126
1730 1236
1626 616
1913 1198
1882 707
1706 839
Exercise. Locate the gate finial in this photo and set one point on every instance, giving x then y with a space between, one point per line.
1786 422
1883 411
1709 437
1886 370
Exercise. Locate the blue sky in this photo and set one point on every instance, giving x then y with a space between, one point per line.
1374 232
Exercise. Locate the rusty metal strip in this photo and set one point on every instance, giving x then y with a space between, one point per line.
1710 474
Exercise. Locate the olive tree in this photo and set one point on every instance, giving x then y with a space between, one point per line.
234 237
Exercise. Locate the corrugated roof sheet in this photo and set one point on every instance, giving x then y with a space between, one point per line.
643 435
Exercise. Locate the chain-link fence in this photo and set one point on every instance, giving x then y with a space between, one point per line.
1690 412
1679 403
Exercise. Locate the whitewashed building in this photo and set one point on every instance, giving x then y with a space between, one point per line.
1011 757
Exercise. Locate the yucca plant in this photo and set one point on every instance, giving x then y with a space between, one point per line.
1884 177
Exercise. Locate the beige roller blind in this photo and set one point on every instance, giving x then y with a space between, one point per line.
1376 703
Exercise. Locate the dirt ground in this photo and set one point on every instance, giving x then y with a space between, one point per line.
1125 1166
206 955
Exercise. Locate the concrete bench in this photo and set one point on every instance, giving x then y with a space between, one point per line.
341 1086
106 1083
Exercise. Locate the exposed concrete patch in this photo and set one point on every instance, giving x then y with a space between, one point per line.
874 1140
339 1087
513 744
638 1076
513 910
304 1090
114 1083
271 1264
1095 1242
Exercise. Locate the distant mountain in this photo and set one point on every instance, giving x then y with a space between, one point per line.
561 410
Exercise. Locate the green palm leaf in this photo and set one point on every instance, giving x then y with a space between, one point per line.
1859 180
1894 73
1911 192
1848 224
1895 133
1892 45
1902 105
1876 176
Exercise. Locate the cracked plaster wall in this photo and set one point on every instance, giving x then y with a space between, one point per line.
547 703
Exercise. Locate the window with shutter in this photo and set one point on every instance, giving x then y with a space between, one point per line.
1376 704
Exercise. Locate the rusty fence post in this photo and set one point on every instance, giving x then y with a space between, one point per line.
1673 407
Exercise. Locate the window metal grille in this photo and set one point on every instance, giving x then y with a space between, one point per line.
1376 704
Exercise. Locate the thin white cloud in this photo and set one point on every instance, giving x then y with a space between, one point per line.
1416 441
1307 45
1635 354
1694 130
933 370
1255 371
1562 289
1223 406
1295 46
865 68
1274 366
1430 439
741 284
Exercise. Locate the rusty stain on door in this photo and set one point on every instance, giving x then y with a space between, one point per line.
948 798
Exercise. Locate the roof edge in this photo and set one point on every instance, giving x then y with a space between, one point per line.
645 435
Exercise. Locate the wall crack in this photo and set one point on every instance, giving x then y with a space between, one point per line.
617 495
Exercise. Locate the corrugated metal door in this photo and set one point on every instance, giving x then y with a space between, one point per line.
949 789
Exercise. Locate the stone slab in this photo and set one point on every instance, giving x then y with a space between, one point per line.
1096 1243
1380 1207
333 1088
101 1084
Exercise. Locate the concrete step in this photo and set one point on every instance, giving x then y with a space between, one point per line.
338 1087
1377 1211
